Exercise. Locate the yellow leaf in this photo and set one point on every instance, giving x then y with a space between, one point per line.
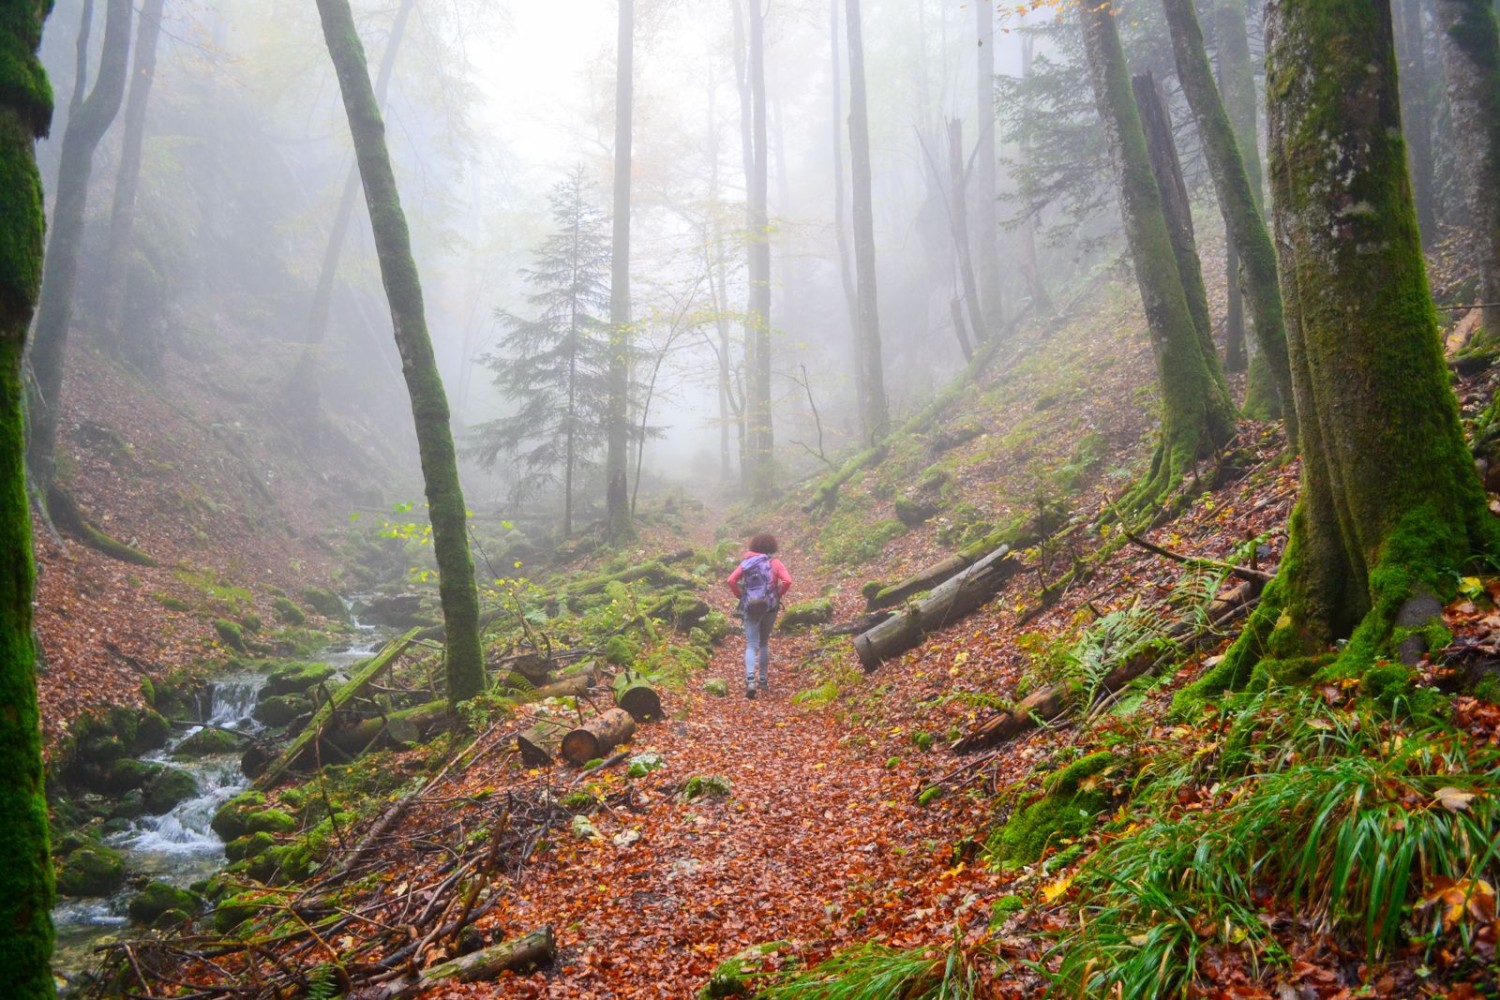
961 658
1053 892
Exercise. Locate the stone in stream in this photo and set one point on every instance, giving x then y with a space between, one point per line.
170 787
94 870
159 898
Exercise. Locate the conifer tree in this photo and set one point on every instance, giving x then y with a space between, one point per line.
555 366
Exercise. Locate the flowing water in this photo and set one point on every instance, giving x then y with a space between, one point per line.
179 846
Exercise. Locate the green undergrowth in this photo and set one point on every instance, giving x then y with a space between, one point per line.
878 972
1369 830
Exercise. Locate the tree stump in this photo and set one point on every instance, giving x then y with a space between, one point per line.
635 695
598 736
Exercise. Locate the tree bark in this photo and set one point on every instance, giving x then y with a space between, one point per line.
598 736
26 887
618 527
635 695
1416 114
759 469
1244 221
986 213
88 120
1470 46
1156 123
1041 301
947 604
875 419
303 387
429 402
1390 506
532 950
128 177
959 224
841 237
1197 415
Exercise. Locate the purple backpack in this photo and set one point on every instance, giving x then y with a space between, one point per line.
757 586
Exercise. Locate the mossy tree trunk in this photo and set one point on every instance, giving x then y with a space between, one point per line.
1196 413
26 891
1239 202
618 527
429 402
1390 507
88 119
1416 113
303 389
127 183
1237 85
875 418
1470 46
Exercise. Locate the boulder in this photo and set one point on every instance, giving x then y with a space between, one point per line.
249 846
206 742
232 821
159 898
170 787
401 611
295 677
129 773
818 612
326 603
94 870
282 709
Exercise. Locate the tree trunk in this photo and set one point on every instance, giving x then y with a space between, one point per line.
1416 114
841 237
875 419
1156 122
635 695
429 403
1238 202
538 744
759 470
302 388
947 603
1390 506
618 527
986 213
958 219
1197 415
1041 302
956 311
128 177
1470 45
598 736
1234 63
26 892
530 951
88 120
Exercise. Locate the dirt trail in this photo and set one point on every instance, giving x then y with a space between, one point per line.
819 844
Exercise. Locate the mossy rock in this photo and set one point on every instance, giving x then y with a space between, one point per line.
230 634
170 787
159 898
296 677
206 742
325 602
233 911
129 773
287 613
249 846
153 730
1067 810
131 805
270 821
683 610
282 709
95 870
801 615
914 513
232 821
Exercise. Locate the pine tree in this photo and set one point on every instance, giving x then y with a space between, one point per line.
554 366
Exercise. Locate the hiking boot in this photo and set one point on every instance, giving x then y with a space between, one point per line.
750 691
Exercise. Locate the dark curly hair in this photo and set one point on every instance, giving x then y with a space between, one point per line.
763 543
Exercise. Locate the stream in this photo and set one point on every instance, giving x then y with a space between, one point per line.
178 846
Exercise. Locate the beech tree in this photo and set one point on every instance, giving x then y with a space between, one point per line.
88 119
429 402
1196 413
26 890
758 469
986 213
1470 45
1416 112
1390 506
616 487
875 415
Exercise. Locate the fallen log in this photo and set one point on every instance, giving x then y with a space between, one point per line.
1018 534
518 954
575 686
635 695
538 745
361 679
1050 703
654 573
861 624
598 736
409 725
948 603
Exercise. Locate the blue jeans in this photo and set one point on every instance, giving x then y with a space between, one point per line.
758 647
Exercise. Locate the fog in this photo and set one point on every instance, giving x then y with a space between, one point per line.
489 107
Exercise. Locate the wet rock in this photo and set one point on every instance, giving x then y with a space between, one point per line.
152 732
206 741
159 898
129 773
131 805
233 911
295 677
94 870
325 602
169 788
400 611
282 709
232 821
249 846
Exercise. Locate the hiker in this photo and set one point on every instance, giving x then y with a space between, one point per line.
759 581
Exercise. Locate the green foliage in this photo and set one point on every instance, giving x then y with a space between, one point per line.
230 634
877 972
698 786
716 686
1072 801
288 613
643 764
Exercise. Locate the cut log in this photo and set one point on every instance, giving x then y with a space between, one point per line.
409 725
947 604
519 954
538 745
575 686
361 679
653 573
635 695
535 668
1019 534
598 736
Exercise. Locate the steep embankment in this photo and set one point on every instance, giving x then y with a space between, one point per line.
233 503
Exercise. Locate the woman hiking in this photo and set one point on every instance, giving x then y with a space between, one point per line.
759 581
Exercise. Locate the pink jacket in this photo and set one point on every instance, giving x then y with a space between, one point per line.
778 573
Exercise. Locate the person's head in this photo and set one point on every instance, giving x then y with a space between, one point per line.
764 543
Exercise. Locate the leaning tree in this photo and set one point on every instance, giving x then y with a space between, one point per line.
1390 507
429 402
26 881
